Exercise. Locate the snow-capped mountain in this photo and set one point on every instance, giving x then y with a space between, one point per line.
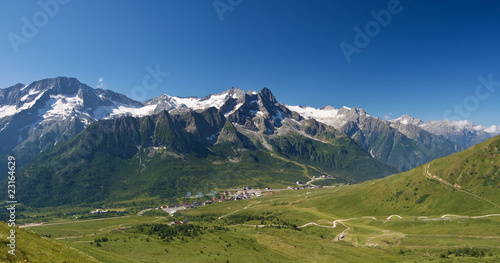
407 119
39 115
418 142
249 139
165 102
463 133
168 103
402 147
44 113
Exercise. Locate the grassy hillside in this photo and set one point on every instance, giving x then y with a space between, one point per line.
475 170
279 228
31 247
430 189
341 157
153 172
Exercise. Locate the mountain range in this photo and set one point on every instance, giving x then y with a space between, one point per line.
57 127
44 113
38 116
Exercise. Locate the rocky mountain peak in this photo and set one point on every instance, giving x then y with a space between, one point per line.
267 95
327 107
407 119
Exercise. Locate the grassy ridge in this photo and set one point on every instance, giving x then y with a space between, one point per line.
476 170
414 193
31 247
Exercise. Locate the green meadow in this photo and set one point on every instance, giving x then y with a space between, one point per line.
271 229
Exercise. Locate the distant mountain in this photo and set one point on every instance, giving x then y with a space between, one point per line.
463 133
251 139
36 117
400 144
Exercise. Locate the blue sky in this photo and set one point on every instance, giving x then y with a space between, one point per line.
427 61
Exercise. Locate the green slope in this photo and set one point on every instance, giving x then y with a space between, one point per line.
414 193
31 247
341 157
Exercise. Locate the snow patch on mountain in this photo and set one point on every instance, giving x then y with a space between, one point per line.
203 103
7 110
119 109
327 115
62 106
407 119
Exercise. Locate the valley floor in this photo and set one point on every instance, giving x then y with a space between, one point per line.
282 227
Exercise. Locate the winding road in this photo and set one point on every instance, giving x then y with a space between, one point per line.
424 218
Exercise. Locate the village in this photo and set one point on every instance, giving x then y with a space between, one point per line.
239 194
236 194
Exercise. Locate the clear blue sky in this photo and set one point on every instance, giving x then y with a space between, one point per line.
427 58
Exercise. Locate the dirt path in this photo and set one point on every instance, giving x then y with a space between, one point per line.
144 211
343 233
334 225
314 224
485 216
238 210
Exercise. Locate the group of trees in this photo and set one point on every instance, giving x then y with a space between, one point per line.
467 251
268 219
167 232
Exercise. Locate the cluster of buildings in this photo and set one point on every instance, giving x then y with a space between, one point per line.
185 205
98 211
245 193
306 187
